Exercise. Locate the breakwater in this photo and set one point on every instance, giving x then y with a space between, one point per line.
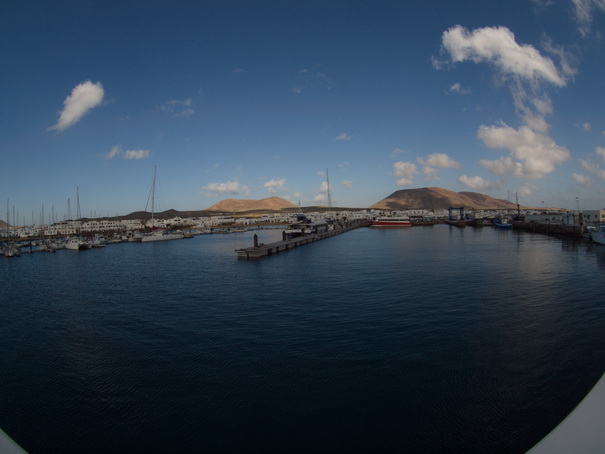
260 250
574 231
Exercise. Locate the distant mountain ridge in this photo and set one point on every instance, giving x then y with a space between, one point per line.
237 205
435 198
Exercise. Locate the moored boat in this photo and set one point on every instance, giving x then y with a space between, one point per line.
75 243
391 222
161 235
598 235
502 224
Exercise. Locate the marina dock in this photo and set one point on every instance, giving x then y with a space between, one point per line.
260 250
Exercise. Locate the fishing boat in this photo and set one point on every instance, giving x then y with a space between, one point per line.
158 234
598 235
391 222
502 224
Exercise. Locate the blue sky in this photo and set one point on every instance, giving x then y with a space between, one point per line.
251 99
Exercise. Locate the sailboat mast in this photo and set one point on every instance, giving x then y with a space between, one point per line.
78 203
153 197
329 196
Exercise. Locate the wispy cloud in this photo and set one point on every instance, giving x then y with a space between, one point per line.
458 89
593 167
82 99
178 107
527 189
136 154
346 184
229 187
397 151
309 79
579 178
275 185
117 152
584 11
343 136
405 172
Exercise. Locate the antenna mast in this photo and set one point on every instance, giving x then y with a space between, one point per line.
329 196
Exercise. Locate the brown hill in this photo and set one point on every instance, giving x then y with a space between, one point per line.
439 199
238 205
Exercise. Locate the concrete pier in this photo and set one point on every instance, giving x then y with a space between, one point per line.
258 251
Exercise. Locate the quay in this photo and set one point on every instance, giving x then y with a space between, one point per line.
261 250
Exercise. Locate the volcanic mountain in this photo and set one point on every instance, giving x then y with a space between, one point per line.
238 205
440 199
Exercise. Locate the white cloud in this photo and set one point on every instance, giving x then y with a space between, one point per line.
178 107
324 80
117 152
430 173
439 160
231 187
405 171
343 136
297 90
581 179
397 151
477 183
136 154
458 89
275 185
583 10
593 168
532 154
600 152
586 126
346 184
83 98
323 192
527 189
497 46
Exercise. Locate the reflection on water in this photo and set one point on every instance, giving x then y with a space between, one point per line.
432 339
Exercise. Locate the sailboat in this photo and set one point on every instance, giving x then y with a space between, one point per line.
77 242
9 249
158 234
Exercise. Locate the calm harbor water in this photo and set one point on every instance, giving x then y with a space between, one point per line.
425 339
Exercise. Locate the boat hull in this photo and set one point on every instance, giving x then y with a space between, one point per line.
598 237
387 223
165 237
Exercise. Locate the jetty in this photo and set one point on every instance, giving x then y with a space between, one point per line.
261 250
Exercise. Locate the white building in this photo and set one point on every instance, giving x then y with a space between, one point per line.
594 216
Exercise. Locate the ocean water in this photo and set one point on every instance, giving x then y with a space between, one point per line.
422 339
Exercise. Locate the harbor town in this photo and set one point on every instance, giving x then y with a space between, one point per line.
99 232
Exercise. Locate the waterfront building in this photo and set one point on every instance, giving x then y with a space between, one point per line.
594 216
